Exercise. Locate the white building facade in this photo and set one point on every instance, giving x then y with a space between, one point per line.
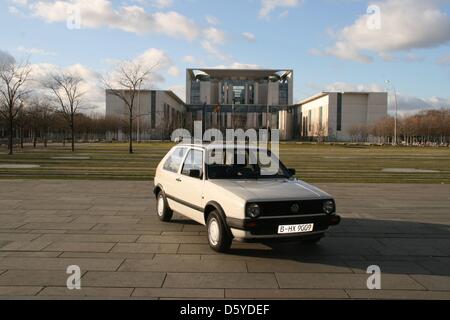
341 115
251 99
157 113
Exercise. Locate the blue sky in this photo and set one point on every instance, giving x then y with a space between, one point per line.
328 43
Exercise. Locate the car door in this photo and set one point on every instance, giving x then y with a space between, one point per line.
169 175
190 189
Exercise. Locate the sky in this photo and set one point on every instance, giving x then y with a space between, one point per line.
332 45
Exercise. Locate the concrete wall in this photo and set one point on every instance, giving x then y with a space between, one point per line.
358 109
169 112
314 106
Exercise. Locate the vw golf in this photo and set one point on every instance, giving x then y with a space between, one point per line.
237 196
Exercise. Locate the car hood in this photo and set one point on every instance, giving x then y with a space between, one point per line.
273 189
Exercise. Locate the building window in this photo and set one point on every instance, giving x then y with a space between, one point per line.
195 92
284 93
153 110
239 94
309 121
320 118
251 94
339 112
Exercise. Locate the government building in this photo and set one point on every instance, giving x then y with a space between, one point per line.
244 99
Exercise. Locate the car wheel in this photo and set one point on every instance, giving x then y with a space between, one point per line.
218 237
312 240
162 208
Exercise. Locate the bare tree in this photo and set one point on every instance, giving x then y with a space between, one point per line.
39 113
13 79
66 89
127 81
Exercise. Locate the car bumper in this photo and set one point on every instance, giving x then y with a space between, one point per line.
266 228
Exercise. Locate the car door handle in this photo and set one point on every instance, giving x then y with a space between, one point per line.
178 179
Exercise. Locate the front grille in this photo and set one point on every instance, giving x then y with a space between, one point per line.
283 208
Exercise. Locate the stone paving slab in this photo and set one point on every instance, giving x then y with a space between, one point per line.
286 294
344 281
33 278
220 280
58 264
192 265
58 292
179 293
110 230
123 279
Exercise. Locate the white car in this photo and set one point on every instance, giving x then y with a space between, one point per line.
240 200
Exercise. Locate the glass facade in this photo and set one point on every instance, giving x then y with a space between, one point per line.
195 92
284 93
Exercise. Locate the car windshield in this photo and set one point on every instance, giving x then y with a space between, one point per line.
244 164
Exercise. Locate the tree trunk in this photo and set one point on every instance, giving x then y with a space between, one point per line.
45 138
11 132
21 136
131 134
72 129
35 140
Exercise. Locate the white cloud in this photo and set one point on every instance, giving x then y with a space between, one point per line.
162 4
94 95
215 51
352 87
212 20
35 51
189 59
6 58
19 2
174 71
103 13
267 6
250 37
214 35
238 65
213 39
411 104
405 25
156 60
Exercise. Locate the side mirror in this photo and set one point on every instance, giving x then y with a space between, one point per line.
195 173
292 172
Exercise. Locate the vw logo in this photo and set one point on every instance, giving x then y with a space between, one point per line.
295 208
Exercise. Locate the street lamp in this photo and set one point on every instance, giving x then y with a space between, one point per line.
389 83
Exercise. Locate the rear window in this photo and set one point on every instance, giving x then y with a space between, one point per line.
173 163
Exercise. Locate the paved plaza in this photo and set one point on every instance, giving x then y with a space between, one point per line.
109 229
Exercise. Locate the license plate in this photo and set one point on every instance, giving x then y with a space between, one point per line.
296 228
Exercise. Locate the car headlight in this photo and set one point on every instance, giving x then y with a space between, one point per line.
253 210
328 207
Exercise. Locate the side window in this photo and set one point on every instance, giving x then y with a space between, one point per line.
173 163
194 161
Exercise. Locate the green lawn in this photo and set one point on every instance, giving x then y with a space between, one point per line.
314 163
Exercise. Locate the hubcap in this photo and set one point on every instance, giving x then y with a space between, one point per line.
160 208
213 232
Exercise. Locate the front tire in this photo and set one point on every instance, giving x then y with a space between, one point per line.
218 236
163 210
